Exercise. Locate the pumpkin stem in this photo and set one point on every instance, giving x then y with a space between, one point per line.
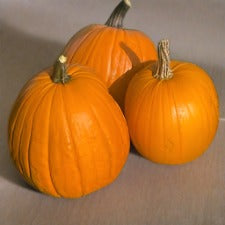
118 14
59 74
163 71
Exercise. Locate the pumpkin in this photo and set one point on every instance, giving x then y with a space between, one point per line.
172 110
67 135
111 50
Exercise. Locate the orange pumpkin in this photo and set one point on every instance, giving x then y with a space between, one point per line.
111 50
67 136
172 110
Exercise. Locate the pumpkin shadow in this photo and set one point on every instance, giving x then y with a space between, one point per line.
22 56
119 87
134 151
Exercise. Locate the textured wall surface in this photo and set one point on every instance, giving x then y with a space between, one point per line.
32 34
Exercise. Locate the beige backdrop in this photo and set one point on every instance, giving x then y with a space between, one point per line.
32 33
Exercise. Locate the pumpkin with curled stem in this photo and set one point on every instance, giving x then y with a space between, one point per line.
172 110
111 50
67 135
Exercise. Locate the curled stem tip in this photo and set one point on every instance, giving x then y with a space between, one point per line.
117 17
59 74
163 71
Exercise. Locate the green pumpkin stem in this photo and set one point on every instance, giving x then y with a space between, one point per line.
163 71
59 74
118 14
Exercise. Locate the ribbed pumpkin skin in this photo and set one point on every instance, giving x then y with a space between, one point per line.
110 51
68 140
172 121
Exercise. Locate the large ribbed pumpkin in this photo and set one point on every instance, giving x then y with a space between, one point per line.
67 135
111 50
172 110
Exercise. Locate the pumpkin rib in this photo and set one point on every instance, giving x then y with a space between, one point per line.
120 58
208 89
81 44
48 159
119 125
190 77
125 62
76 158
157 105
163 122
29 152
176 67
110 52
97 43
209 120
116 121
195 94
30 138
153 103
142 94
204 113
166 91
178 121
215 107
110 151
92 46
114 118
84 31
152 95
26 175
201 100
84 54
196 91
136 35
18 152
104 135
15 156
93 78
20 102
144 97
112 76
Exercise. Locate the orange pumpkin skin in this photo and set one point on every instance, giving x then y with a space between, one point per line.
68 140
111 51
172 121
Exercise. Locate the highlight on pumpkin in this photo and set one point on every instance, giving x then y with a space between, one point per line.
172 111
